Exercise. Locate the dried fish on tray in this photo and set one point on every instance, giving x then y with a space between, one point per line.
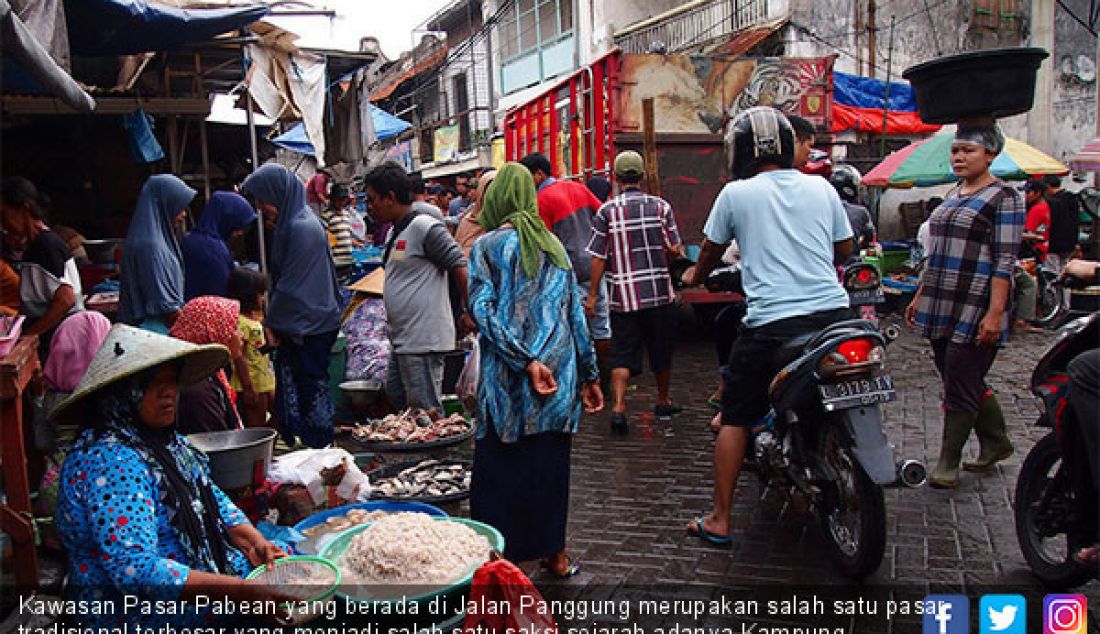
412 430
425 481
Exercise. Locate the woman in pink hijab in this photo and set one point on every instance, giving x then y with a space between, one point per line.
73 345
72 348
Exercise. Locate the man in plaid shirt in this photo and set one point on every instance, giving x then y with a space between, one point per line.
962 305
633 237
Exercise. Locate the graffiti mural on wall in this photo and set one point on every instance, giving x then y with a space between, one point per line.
698 94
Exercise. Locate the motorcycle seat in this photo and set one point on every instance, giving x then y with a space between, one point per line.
792 349
841 326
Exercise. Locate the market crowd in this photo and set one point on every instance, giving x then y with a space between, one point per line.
560 281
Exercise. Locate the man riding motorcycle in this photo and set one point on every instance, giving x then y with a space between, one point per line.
792 231
845 180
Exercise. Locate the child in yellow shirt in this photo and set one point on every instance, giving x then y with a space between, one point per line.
257 390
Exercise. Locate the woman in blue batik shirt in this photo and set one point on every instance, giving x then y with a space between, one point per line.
536 360
138 513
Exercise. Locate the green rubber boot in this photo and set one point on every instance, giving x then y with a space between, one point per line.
956 429
992 437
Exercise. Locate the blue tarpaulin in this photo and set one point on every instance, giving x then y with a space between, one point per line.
125 27
866 92
295 140
386 126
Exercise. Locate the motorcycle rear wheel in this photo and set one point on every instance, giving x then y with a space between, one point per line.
1049 557
1050 304
853 516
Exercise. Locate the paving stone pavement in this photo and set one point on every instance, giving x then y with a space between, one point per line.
631 497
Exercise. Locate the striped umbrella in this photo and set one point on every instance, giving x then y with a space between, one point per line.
1088 158
928 162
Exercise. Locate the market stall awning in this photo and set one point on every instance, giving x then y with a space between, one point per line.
1087 158
928 162
386 126
295 140
125 27
20 45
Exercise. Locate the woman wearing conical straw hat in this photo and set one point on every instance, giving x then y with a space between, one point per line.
138 513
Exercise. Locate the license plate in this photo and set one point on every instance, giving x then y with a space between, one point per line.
866 296
857 392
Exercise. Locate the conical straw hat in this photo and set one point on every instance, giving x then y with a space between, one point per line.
127 351
373 283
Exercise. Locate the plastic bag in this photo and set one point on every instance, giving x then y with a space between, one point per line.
308 467
466 387
501 581
143 144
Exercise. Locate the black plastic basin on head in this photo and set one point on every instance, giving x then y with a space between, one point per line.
997 82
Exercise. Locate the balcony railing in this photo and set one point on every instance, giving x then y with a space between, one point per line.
691 25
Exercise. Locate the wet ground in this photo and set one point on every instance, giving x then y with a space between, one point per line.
632 496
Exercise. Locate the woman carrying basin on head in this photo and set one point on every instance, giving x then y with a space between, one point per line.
963 303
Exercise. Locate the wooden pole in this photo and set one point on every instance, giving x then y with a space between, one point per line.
649 145
858 36
204 145
871 38
886 97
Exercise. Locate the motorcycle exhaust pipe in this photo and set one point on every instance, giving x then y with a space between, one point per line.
912 474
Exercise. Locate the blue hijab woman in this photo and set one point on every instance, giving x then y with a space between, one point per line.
206 257
151 290
304 310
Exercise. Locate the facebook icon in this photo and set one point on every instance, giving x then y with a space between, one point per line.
946 614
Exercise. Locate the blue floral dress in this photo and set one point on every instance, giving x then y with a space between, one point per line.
116 529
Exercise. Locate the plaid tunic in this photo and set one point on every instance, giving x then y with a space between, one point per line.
632 232
973 238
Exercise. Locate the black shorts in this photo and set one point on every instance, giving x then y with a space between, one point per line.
652 330
752 364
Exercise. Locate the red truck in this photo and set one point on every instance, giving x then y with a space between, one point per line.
584 120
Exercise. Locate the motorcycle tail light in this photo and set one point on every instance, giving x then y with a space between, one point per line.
853 356
855 350
864 278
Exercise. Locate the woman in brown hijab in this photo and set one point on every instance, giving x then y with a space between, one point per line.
468 228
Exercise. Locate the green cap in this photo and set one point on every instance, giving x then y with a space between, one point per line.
629 163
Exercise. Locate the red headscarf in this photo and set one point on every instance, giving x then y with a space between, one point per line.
209 319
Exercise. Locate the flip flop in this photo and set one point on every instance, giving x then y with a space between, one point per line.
704 534
571 570
1089 556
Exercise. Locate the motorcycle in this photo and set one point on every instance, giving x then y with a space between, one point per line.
1051 523
1052 297
824 436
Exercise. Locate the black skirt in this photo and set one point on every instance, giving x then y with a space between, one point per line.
522 490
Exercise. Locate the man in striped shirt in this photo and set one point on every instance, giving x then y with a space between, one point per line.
341 240
633 237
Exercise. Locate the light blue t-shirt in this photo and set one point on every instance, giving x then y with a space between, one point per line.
785 223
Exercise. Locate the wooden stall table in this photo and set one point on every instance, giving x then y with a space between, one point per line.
17 370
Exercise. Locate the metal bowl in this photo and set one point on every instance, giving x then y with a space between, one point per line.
235 455
362 394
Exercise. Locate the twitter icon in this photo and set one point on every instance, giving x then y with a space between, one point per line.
1003 614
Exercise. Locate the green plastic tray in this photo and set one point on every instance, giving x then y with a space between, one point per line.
337 547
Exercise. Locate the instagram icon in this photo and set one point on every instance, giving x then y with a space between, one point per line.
1065 614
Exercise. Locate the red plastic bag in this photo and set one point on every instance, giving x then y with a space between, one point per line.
501 582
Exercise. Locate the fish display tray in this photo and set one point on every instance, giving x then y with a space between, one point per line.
392 470
449 441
